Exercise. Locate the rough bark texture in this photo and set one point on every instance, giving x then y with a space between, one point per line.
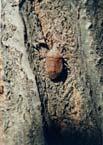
22 120
71 109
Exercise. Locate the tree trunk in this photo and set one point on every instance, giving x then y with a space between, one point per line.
36 110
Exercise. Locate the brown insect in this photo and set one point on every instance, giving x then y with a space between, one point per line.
54 63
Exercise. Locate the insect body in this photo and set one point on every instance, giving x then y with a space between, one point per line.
54 63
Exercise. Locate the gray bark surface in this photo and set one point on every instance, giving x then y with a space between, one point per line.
22 122
37 110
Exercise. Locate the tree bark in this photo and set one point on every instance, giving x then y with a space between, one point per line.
37 110
21 115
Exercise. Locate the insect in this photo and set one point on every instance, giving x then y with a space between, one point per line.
54 63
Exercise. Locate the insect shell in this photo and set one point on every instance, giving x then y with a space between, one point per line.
54 63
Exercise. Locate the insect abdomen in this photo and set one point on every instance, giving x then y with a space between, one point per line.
54 67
